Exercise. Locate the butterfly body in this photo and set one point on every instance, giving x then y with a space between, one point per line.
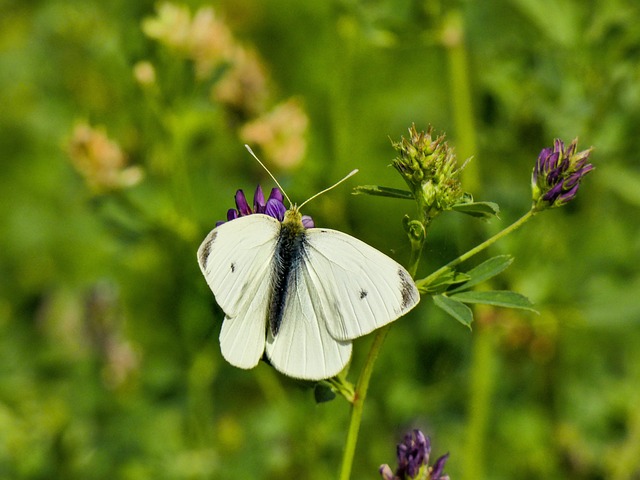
299 295
290 250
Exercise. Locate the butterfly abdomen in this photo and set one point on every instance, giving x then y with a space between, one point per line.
286 265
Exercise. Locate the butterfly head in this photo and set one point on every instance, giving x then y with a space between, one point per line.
293 220
273 206
293 216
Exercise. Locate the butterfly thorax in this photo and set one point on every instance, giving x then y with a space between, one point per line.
293 218
287 259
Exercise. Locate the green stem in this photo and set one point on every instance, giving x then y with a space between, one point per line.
478 248
416 254
343 387
482 377
461 96
483 362
358 403
362 386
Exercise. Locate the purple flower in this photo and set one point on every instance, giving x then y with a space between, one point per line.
437 471
413 460
557 174
273 206
413 453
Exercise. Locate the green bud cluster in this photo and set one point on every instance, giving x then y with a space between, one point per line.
429 167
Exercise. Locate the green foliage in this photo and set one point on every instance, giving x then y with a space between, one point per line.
455 308
452 290
122 145
484 210
380 191
497 298
485 271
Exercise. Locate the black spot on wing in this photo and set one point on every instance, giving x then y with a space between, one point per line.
233 267
363 294
409 291
206 248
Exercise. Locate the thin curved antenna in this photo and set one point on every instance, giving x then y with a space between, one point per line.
351 174
270 174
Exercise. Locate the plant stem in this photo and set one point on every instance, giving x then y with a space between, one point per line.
453 40
358 403
478 248
343 387
482 382
483 364
416 254
362 386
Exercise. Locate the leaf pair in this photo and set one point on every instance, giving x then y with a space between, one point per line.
466 204
452 290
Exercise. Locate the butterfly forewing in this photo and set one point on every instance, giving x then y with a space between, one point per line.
236 257
357 288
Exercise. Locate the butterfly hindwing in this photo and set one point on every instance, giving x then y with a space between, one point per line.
357 288
236 260
303 347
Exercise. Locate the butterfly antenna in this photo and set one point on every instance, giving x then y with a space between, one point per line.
270 174
351 174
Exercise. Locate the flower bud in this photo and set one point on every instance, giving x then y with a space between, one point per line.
557 174
429 168
413 460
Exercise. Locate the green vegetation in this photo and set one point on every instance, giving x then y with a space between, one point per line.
122 127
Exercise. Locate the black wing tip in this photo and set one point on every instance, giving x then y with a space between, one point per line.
410 294
205 248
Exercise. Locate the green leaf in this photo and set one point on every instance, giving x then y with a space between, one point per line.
383 192
486 270
442 282
498 298
455 308
484 210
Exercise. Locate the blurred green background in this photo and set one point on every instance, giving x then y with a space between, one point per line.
121 133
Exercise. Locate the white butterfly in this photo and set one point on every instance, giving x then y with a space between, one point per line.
300 295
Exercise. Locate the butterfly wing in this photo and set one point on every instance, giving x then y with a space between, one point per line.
303 347
236 260
342 289
356 288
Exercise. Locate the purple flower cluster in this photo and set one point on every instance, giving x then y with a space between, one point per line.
413 460
273 206
557 174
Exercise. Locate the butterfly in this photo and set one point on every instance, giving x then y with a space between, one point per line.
299 295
